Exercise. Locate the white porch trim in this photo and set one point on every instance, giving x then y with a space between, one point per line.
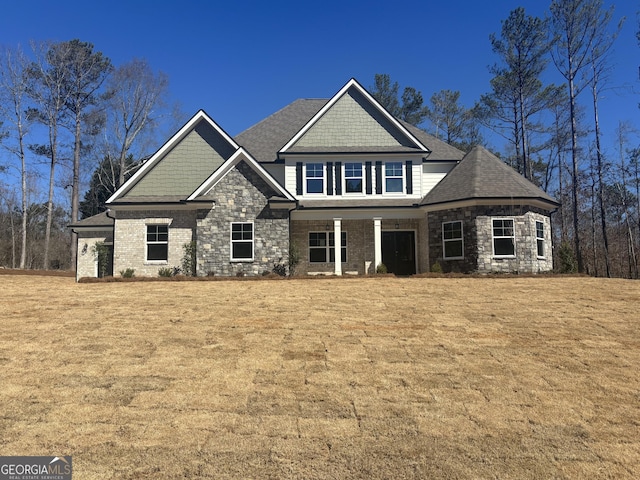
377 242
337 245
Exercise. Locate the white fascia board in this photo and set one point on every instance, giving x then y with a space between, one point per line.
534 202
363 213
241 154
353 83
169 144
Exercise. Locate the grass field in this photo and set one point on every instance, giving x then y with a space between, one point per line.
332 378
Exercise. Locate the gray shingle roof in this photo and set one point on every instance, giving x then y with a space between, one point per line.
439 150
267 137
482 175
95 221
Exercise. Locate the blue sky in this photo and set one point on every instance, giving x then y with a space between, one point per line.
243 60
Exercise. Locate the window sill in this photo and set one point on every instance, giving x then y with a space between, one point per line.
156 262
241 260
501 257
453 258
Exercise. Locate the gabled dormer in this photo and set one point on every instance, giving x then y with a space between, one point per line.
352 147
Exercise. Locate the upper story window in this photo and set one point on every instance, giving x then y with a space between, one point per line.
242 241
504 239
353 177
158 243
540 238
452 239
315 177
393 178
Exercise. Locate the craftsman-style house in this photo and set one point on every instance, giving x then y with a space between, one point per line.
341 180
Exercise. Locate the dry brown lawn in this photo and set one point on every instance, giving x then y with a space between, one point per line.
336 378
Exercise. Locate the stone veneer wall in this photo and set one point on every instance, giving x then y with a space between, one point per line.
360 244
87 263
478 239
241 196
130 241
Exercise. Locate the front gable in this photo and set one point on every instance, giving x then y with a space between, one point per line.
353 121
182 164
240 157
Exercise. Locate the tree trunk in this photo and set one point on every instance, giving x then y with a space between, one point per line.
47 234
603 218
75 190
574 172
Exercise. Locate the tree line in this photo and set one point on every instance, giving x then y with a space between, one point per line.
65 109
548 136
101 120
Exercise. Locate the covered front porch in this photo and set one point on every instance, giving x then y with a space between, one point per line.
357 243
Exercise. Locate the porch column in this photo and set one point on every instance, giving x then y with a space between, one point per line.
337 245
377 242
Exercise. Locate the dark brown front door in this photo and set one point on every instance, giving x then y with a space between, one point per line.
399 252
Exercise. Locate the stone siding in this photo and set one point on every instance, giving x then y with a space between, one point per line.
241 196
478 240
130 243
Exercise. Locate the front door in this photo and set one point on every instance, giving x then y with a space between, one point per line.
399 252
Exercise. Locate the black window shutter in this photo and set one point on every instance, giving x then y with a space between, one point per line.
338 178
367 173
299 178
329 178
378 177
409 177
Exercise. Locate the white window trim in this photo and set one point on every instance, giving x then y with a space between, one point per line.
544 243
362 178
148 224
324 178
384 178
232 241
328 247
493 243
461 239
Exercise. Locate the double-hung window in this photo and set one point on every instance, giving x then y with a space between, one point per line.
157 243
393 178
452 239
315 177
322 247
540 238
242 241
353 177
504 240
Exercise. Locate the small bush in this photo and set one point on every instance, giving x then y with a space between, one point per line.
382 268
294 258
436 268
567 259
280 269
101 253
128 273
166 272
189 259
